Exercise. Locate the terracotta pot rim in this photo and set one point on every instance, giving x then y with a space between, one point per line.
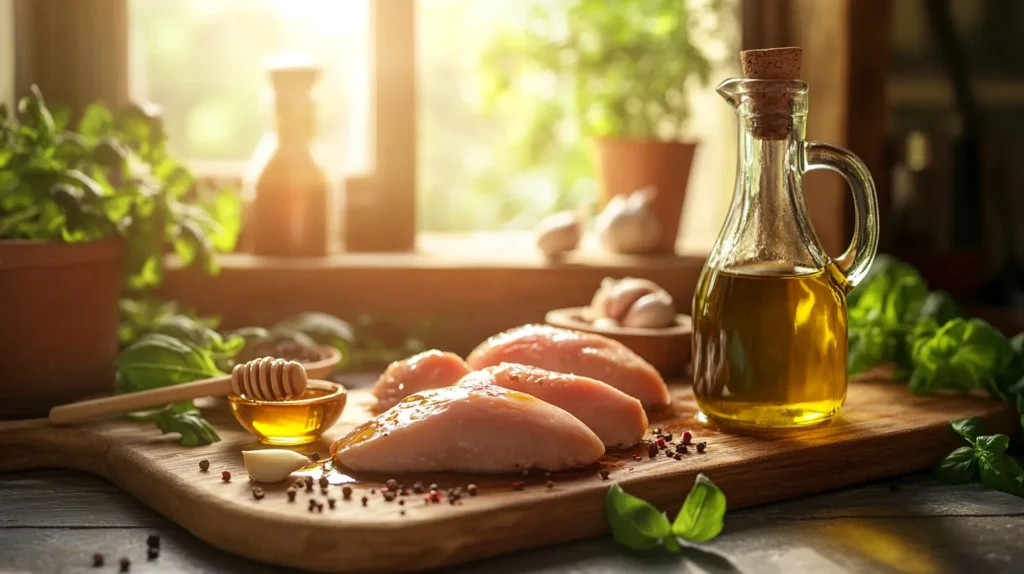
15 253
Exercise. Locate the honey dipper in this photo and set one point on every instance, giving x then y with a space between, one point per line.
264 379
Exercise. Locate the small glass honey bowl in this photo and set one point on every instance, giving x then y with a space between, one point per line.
295 421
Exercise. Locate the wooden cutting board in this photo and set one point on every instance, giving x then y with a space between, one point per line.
883 431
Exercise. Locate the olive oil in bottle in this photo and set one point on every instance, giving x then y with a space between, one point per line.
770 345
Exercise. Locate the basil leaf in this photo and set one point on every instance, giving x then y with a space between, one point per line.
190 424
996 443
958 467
962 355
635 524
940 307
323 328
968 428
1000 471
701 517
157 360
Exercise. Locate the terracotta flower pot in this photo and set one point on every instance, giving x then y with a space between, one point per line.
58 327
624 166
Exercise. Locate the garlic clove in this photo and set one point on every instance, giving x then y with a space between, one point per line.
272 464
605 323
652 311
598 304
626 292
558 233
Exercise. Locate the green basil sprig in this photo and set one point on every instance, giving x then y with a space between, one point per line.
638 525
985 459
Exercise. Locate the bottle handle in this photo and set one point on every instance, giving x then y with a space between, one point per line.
856 261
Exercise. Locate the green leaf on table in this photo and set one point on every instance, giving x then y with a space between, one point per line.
1000 471
958 467
940 307
961 355
157 360
701 517
996 443
635 524
323 328
868 347
186 420
968 428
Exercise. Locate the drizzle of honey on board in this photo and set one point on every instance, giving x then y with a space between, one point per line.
770 345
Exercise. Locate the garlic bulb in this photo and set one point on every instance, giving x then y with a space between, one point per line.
598 305
272 464
605 323
652 311
558 233
625 293
628 224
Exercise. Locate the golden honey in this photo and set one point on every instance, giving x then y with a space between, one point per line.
769 346
295 421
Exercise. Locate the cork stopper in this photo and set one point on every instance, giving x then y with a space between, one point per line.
772 105
772 63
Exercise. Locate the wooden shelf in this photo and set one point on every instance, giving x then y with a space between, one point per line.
472 285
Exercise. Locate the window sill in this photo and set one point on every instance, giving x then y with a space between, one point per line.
472 285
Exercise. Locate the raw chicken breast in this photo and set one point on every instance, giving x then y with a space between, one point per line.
427 370
616 418
577 353
474 426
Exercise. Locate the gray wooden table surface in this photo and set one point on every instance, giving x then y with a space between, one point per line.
54 520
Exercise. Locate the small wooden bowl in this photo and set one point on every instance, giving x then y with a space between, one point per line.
667 349
324 367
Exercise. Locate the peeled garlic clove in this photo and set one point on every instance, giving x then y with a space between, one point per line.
605 323
598 305
652 311
272 464
558 233
625 293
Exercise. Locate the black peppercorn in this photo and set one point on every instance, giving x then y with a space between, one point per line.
97 560
681 448
126 564
346 492
204 465
604 474
652 450
701 446
471 489
324 483
417 487
365 500
291 494
257 493
153 541
331 502
152 553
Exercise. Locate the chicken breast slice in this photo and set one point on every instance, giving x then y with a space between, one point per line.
474 426
577 353
426 370
616 418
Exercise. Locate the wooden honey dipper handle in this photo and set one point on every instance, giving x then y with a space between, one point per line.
260 379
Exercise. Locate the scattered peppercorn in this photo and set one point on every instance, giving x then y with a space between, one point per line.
402 512
417 487
652 450
153 541
331 502
314 456
299 483
401 503
604 474
312 504
636 457
346 492
660 442
391 484
225 476
97 560
389 496
152 553
324 483
518 485
125 563
550 484
435 496
204 465
373 491
291 494
471 489
668 437
678 456
319 507
309 483
681 448
687 437
365 500
433 486
657 431
403 491
257 493
701 446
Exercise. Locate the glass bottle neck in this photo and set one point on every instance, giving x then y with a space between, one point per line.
768 163
294 122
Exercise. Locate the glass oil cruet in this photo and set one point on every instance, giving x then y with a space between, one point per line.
769 312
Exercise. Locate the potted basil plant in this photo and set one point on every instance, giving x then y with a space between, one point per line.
84 214
619 72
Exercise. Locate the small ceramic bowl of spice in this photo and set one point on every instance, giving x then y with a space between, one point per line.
295 421
639 314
